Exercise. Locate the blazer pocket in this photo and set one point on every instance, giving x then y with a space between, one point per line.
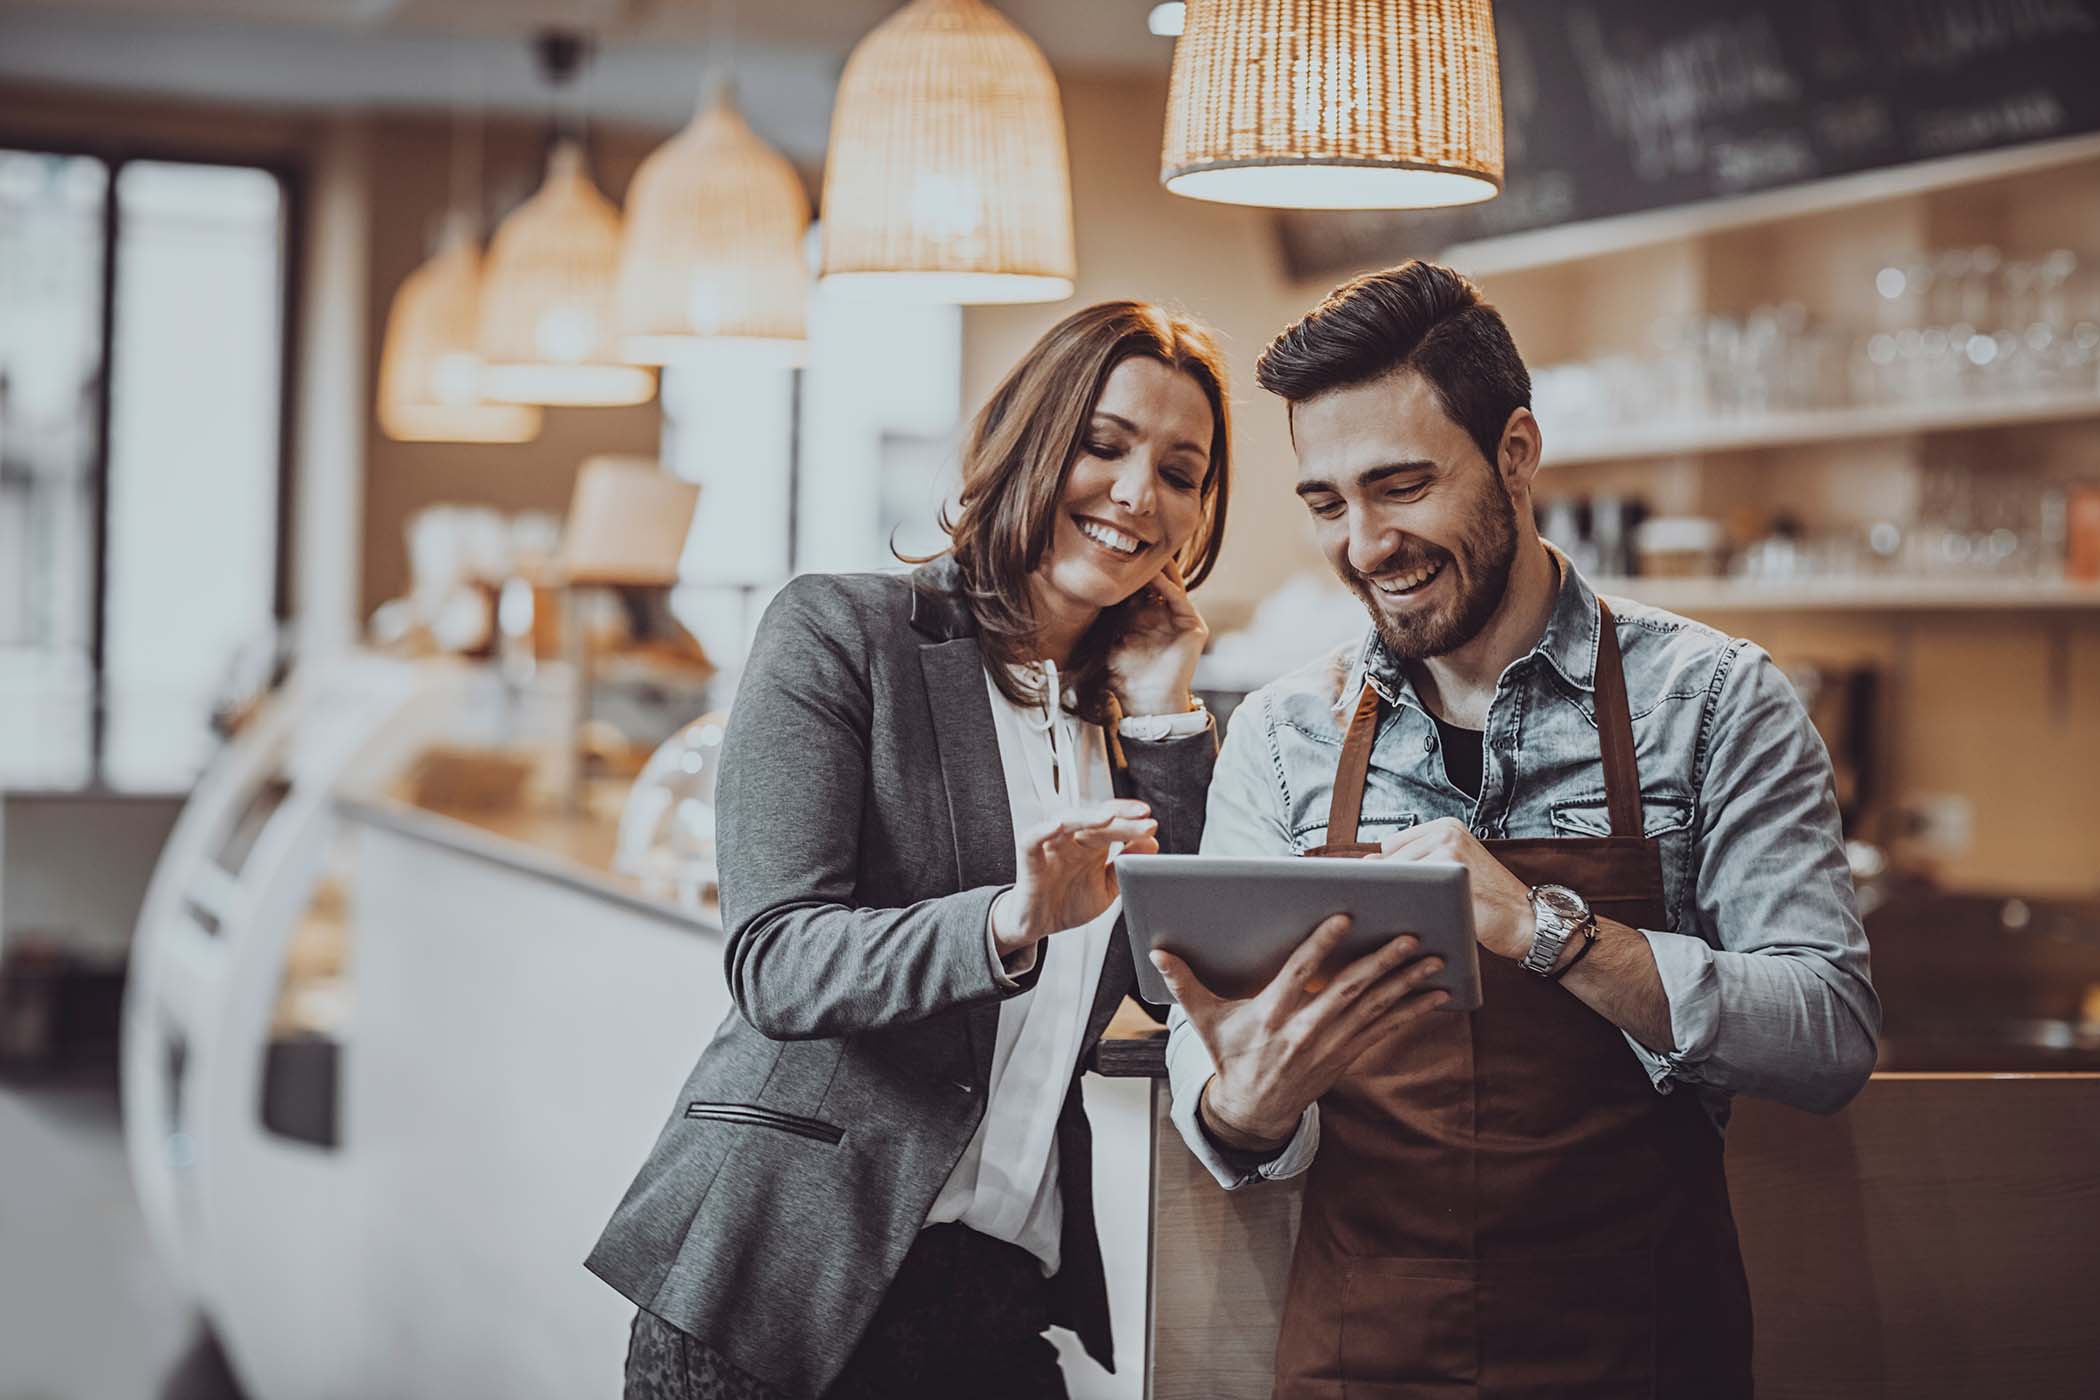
752 1115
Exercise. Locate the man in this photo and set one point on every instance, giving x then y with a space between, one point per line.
1526 1200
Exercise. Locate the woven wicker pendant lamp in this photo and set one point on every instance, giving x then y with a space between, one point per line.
711 260
947 178
429 371
1335 104
546 297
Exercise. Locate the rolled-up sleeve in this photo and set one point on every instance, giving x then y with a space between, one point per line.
1189 1068
1771 994
1243 817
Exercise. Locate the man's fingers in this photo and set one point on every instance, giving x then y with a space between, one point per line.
1188 989
1404 845
1314 953
1418 842
1373 1031
1396 959
1386 999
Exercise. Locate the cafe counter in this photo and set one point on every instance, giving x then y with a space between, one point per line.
1932 1240
389 1066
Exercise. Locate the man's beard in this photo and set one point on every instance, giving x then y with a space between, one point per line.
1486 552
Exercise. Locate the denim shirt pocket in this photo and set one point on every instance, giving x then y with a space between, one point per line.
1665 817
1373 825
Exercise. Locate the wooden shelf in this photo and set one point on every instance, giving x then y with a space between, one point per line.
1686 439
1595 238
1877 593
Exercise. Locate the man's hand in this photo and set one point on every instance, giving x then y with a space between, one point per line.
1284 1047
1503 921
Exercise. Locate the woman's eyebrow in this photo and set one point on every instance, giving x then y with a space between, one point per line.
1129 427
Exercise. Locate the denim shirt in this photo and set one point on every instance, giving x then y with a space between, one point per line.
1762 957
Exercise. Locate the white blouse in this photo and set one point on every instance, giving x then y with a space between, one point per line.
1005 1185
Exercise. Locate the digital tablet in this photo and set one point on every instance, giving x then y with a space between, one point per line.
1235 921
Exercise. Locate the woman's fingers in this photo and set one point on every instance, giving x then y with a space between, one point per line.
1126 831
1082 818
1174 593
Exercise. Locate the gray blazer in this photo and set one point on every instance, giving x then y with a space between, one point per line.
864 832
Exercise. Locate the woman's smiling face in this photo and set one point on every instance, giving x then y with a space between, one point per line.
1134 495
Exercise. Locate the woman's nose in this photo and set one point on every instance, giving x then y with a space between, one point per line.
1133 489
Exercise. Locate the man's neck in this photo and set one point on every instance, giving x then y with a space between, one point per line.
1460 685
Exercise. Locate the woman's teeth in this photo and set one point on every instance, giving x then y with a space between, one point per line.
1407 583
1110 538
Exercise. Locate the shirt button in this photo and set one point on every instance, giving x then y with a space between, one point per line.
1429 743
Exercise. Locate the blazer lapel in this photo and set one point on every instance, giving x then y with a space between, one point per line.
979 813
978 808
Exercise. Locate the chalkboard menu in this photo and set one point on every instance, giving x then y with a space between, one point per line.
1618 106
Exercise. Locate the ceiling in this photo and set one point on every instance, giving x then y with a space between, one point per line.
423 53
1084 35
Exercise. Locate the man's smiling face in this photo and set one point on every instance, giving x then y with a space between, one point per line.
1409 514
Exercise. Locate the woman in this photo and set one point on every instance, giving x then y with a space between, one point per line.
877 1180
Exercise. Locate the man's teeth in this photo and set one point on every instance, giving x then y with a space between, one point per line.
1407 583
1113 538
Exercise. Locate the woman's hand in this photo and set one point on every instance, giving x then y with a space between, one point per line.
1154 662
1064 878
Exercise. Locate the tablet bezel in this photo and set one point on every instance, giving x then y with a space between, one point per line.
1256 910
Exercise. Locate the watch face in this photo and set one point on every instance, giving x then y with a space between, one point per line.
1562 903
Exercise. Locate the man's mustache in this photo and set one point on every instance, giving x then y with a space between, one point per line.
1401 561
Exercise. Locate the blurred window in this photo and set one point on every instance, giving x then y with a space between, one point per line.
142 335
837 466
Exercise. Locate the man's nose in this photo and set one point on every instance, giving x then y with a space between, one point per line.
1370 544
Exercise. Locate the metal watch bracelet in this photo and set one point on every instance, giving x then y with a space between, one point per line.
1558 914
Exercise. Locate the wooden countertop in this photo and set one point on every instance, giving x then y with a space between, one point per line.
1133 1046
570 849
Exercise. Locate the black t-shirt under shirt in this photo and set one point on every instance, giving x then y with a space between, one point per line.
1462 756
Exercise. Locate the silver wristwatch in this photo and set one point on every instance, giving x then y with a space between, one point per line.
1560 915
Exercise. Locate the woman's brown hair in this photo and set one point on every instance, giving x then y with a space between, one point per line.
1018 454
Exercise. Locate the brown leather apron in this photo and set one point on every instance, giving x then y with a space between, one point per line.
1502 1205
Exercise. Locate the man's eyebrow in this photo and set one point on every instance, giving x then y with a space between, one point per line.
1129 427
1369 476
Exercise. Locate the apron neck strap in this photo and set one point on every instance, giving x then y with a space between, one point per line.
1622 777
1347 804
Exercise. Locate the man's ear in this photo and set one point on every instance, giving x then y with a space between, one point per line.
1521 449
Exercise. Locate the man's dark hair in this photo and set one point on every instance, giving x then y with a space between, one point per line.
1418 316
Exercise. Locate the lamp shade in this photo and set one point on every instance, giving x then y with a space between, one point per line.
1335 104
429 371
947 177
712 253
547 297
